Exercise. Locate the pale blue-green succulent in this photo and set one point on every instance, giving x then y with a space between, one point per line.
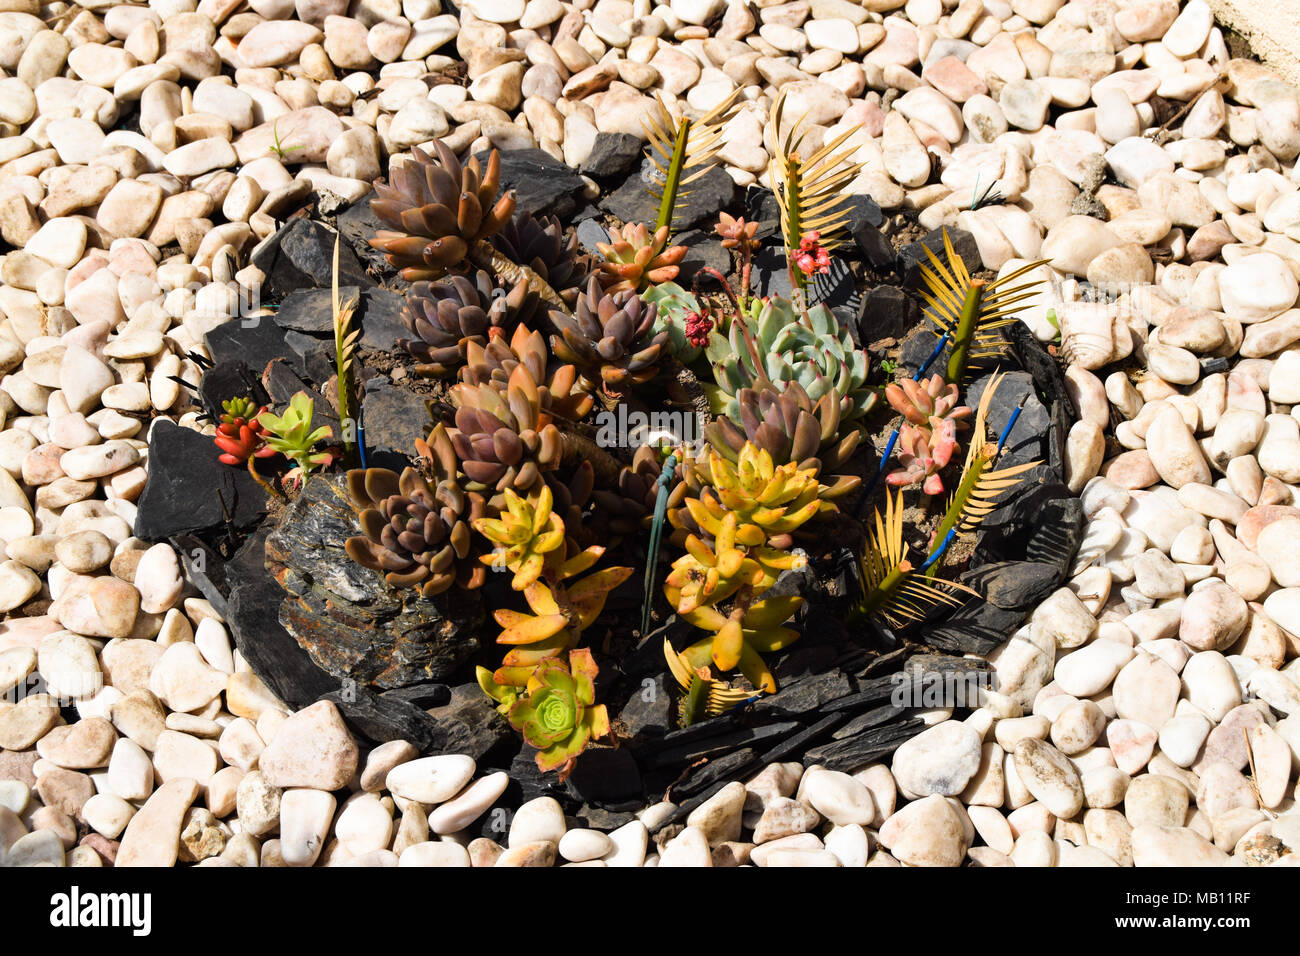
782 345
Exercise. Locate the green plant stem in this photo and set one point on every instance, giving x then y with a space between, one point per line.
252 470
673 180
970 312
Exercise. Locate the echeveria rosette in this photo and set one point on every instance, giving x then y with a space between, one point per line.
638 258
924 451
559 715
781 345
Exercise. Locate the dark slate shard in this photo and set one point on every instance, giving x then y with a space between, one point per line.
1028 440
469 723
647 658
598 818
189 490
423 695
226 380
703 250
543 185
205 567
612 154
650 710
688 753
633 201
1056 536
357 224
771 273
313 355
912 256
1013 585
872 691
761 207
607 776
312 310
284 383
380 314
918 349
393 418
798 743
803 662
802 582
590 234
876 249
301 256
887 313
532 782
977 627
270 650
350 621
255 341
860 208
381 718
1211 366
733 766
806 695
854 753
872 718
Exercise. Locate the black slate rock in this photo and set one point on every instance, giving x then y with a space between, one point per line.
1013 585
312 355
543 185
703 249
357 224
912 256
590 233
380 718
876 249
633 202
187 487
393 419
887 313
301 255
229 379
252 617
256 341
468 723
312 310
649 711
380 315
612 154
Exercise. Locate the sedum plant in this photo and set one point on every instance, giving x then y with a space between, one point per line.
291 435
240 436
609 339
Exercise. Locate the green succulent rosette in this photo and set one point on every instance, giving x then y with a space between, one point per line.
559 715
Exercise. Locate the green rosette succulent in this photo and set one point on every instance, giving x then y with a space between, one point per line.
781 345
559 715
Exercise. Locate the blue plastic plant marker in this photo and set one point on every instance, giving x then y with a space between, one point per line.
938 350
656 533
880 466
1011 423
938 552
361 440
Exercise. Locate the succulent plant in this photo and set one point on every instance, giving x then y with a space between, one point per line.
812 258
767 502
609 339
526 536
449 315
627 507
493 362
786 423
923 451
918 402
781 345
541 245
558 714
739 638
416 528
240 436
927 440
292 436
638 258
682 316
438 209
503 439
737 235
